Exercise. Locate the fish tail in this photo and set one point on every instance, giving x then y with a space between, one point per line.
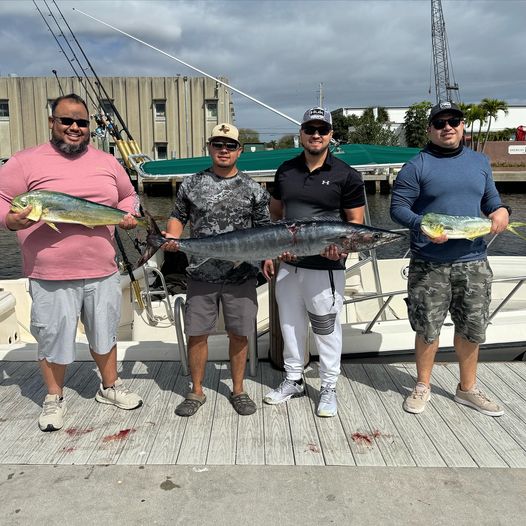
152 231
512 227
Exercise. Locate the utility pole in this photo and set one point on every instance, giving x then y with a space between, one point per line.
320 105
444 90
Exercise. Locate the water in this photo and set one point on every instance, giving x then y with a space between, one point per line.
505 245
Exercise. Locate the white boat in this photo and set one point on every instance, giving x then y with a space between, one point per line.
374 319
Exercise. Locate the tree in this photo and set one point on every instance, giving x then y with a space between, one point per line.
287 141
372 129
492 108
476 113
416 123
341 125
248 135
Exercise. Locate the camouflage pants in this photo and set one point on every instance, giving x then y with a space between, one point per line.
462 288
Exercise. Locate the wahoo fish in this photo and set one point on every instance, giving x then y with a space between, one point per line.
56 207
461 227
301 238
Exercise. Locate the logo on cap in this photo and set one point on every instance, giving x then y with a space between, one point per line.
224 128
317 112
445 105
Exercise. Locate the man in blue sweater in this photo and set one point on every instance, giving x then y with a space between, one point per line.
448 178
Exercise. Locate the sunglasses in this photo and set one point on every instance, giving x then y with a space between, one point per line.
311 130
230 146
440 124
68 121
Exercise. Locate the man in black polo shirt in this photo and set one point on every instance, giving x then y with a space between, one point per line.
314 184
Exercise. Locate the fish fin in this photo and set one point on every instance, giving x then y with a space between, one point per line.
152 229
512 227
202 263
237 263
52 225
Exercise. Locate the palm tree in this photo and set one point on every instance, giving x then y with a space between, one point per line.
476 113
468 121
492 108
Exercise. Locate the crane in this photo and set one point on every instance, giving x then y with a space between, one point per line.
444 90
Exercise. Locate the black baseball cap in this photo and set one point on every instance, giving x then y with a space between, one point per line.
445 107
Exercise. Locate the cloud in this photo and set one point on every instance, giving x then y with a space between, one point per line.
362 52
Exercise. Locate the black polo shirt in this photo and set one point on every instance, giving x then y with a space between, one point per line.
324 192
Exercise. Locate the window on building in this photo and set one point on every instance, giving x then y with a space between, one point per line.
161 151
159 110
211 110
4 109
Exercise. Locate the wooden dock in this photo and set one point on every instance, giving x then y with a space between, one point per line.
371 428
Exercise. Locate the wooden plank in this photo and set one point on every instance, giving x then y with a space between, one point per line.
117 433
140 444
223 436
355 426
278 440
333 440
22 412
306 442
96 418
196 439
250 449
438 432
511 374
519 368
421 448
505 387
506 447
41 448
475 443
80 393
171 428
14 376
391 445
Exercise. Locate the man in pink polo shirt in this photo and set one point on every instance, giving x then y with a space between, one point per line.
72 273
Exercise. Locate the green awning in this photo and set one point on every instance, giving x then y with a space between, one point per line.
269 160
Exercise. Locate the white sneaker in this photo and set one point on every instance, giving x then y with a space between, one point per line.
417 400
53 411
119 395
328 404
285 391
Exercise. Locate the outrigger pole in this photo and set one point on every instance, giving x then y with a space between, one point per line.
191 67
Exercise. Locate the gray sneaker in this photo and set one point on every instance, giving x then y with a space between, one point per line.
478 400
119 395
53 411
285 391
328 404
417 400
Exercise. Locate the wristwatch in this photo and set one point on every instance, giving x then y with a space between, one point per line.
508 208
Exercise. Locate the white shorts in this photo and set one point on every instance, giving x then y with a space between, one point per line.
57 307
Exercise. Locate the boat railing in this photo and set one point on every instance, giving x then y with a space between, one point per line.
390 295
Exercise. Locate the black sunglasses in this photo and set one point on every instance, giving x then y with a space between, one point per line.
230 146
68 121
311 130
440 124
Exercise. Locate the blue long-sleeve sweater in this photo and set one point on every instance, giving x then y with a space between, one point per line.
460 185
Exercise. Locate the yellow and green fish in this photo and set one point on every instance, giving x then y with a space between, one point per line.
56 207
461 227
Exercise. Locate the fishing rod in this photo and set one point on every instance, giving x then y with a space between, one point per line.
191 67
127 265
54 71
113 107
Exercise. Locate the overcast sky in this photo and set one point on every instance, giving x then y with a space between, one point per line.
363 52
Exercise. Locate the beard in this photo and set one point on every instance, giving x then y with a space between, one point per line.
69 149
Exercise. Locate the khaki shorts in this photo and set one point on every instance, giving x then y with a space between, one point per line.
57 307
239 304
463 289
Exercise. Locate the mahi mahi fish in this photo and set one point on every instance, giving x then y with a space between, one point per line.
300 238
56 207
461 227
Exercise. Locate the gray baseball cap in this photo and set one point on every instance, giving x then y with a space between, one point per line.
317 114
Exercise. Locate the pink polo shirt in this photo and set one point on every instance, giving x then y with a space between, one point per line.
77 252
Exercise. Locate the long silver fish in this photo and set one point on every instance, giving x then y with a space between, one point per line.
301 238
56 207
461 227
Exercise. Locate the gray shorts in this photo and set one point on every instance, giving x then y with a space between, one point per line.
462 288
57 307
239 303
